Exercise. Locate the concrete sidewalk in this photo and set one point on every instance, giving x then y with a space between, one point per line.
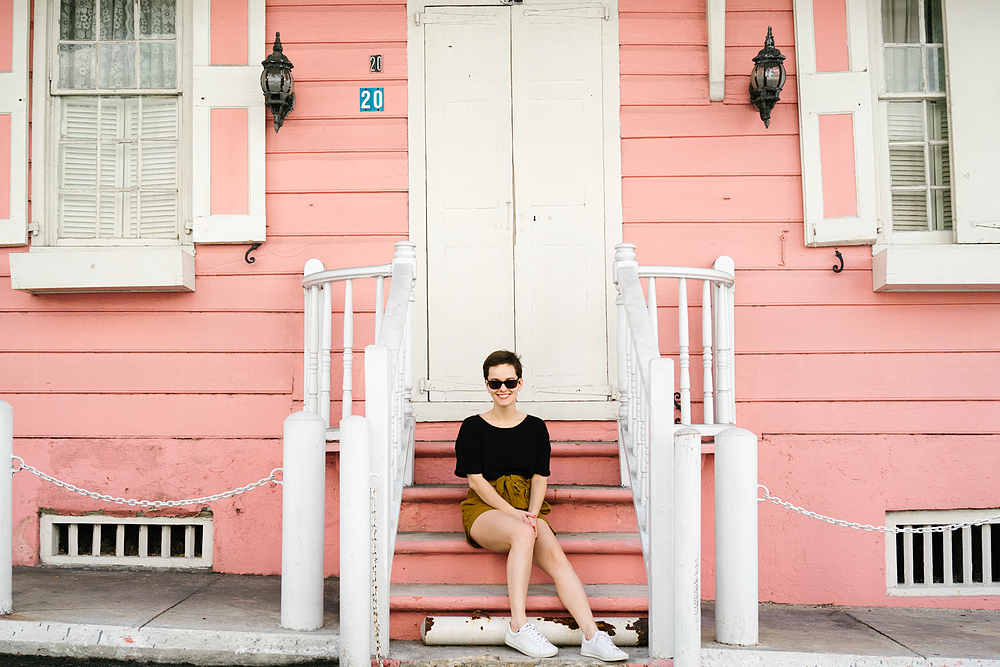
218 619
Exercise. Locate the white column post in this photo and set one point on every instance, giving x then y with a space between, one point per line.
736 595
355 544
661 508
6 507
687 548
378 397
303 515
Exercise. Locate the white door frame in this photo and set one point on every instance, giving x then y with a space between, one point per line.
423 410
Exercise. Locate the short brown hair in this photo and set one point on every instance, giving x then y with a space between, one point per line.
499 358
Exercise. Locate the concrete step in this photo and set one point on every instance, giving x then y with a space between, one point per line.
575 508
410 603
441 557
585 463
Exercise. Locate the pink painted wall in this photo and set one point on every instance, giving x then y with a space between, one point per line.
864 402
181 395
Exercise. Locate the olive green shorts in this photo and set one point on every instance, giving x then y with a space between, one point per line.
515 489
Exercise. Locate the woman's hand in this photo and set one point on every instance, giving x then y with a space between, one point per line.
528 518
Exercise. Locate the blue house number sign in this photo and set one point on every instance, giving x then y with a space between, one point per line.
372 99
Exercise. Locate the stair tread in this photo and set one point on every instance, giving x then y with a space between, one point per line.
451 598
444 449
440 542
554 492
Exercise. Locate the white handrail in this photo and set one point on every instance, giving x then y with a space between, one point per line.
649 438
387 429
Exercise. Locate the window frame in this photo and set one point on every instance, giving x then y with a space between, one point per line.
880 103
47 98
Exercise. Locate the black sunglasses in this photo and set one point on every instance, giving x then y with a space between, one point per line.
510 384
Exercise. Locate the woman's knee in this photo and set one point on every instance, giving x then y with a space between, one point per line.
523 535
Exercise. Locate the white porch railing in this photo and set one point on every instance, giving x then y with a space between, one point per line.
376 449
660 458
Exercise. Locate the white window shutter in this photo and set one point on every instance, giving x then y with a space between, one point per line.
839 102
974 96
14 126
229 209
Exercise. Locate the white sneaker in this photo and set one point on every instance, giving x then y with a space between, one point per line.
601 647
529 641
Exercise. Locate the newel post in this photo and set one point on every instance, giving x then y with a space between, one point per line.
6 507
303 518
355 543
736 594
687 548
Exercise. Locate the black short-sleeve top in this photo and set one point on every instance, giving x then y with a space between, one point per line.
493 452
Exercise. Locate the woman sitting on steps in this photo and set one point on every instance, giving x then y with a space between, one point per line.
505 456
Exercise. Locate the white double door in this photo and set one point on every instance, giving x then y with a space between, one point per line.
517 248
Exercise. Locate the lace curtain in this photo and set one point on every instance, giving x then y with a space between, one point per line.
901 26
104 44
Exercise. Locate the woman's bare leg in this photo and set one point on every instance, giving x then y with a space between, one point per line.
549 556
502 533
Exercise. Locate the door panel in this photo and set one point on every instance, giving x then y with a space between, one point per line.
559 254
515 198
470 273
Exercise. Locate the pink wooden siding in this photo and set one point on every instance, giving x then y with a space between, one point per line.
195 386
865 402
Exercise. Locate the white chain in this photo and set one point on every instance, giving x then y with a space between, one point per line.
378 641
870 528
140 503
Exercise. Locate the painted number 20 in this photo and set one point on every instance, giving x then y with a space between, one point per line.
372 99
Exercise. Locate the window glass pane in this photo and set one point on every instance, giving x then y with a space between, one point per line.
77 20
900 22
935 69
116 66
77 219
937 120
902 69
906 121
935 28
157 65
941 207
109 212
158 216
76 166
158 19
110 172
940 166
79 119
159 119
907 166
117 19
909 211
76 66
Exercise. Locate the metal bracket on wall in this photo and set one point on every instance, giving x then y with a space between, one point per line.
247 257
838 269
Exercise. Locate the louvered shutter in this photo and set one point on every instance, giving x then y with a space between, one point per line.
14 26
229 123
835 122
974 94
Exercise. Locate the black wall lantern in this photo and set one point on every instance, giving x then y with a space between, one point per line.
767 78
276 81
